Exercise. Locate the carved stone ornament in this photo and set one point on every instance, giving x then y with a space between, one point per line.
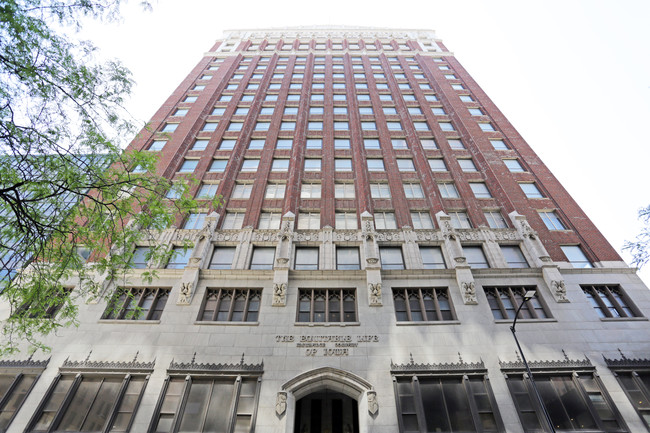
372 260
279 295
528 230
281 403
205 232
426 235
282 260
448 230
505 235
375 294
373 405
185 294
227 236
559 290
468 235
469 292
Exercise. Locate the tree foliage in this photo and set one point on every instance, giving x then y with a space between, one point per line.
640 247
66 186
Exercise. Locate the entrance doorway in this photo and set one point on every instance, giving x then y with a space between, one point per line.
326 412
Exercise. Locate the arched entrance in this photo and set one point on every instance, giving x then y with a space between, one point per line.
328 400
326 411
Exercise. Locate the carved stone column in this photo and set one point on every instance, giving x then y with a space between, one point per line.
412 258
371 257
464 277
328 249
550 271
202 248
282 260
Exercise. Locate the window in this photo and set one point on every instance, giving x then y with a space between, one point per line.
415 111
574 402
170 127
347 258
224 145
157 145
180 112
453 402
267 111
262 126
480 190
250 165
475 257
531 190
551 220
455 143
513 165
231 305
421 126
208 191
306 259
369 126
391 257
269 220
280 165
389 111
310 190
235 126
191 99
498 145
195 221
233 221
460 87
514 257
314 143
610 301
446 126
448 190
218 112
576 256
432 258
342 164
375 164
312 164
413 190
404 164
287 126
262 258
636 384
365 111
140 257
379 190
495 220
437 164
486 127
399 143
188 165
220 404
422 305
326 305
475 111
343 190
315 126
394 126
467 165
385 221
222 258
136 304
85 402
438 111
421 220
218 165
275 190
371 143
242 190
460 220
504 302
284 144
342 143
309 220
346 221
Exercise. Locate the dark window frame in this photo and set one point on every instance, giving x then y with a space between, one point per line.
616 296
12 396
125 296
327 312
219 294
515 296
419 294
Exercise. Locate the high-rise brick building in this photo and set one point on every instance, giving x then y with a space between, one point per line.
382 223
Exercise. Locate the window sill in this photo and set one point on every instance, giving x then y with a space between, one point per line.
623 319
222 323
328 324
509 321
429 323
135 322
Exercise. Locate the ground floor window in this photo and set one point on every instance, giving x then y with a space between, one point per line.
196 403
456 403
575 401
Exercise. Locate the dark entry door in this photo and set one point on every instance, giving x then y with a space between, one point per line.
326 412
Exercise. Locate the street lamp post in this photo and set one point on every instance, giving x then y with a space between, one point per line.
527 296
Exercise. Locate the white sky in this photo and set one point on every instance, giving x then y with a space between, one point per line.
572 76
